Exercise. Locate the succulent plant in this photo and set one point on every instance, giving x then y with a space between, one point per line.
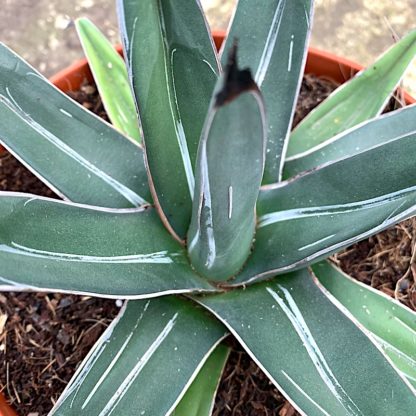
217 220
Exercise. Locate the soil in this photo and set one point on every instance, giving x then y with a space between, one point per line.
43 337
15 177
245 390
386 261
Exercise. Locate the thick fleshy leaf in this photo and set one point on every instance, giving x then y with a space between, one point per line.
173 70
392 325
310 350
308 218
371 133
47 245
144 361
273 43
228 178
200 397
358 100
75 153
110 75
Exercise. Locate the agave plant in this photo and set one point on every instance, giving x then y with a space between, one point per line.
212 218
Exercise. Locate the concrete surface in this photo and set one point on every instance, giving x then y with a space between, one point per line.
42 32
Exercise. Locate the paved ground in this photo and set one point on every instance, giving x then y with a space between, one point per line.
42 32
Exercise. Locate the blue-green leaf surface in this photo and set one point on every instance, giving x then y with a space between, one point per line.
173 70
358 100
391 324
75 153
144 361
308 218
47 245
391 126
199 399
310 350
228 178
110 75
273 41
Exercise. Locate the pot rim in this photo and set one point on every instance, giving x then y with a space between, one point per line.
318 62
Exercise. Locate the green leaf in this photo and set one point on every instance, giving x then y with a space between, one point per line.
144 361
200 397
228 178
173 70
273 43
392 325
48 245
75 153
360 99
308 218
310 350
110 75
388 127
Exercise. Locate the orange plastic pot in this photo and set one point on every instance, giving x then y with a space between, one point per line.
337 68
5 409
319 63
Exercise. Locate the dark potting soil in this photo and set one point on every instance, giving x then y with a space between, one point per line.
44 337
386 261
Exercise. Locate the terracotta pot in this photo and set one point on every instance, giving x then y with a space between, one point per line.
5 409
318 62
337 68
71 78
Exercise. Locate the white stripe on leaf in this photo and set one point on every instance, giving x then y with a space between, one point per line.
318 211
160 257
127 193
295 316
270 44
303 392
115 359
134 373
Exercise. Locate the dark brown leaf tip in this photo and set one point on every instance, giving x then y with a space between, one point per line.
236 81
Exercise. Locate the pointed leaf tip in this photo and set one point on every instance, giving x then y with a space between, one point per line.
273 43
110 75
228 176
358 100
236 81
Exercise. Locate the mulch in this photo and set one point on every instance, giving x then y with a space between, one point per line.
43 337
